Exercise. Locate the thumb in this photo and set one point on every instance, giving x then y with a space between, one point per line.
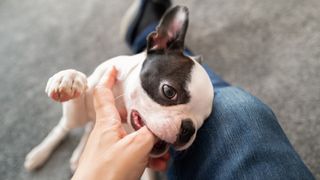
133 153
103 97
138 143
103 91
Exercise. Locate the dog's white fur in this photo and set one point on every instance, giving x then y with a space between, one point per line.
79 110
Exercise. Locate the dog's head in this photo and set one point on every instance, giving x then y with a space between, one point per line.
174 94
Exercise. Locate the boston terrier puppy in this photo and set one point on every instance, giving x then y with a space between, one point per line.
161 88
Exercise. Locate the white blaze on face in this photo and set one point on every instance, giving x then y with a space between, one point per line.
201 101
163 121
201 93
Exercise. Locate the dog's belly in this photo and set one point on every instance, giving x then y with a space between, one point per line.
126 66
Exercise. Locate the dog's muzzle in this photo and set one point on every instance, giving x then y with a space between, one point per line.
161 147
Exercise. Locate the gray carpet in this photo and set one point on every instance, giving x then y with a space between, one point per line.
270 48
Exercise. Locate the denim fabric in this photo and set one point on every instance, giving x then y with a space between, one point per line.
241 139
139 42
129 38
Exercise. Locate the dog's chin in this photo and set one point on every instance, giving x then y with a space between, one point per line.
137 122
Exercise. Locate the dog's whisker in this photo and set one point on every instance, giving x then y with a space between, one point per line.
116 98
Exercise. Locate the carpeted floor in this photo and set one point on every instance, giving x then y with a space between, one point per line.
270 48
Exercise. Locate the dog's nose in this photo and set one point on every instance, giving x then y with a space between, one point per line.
186 131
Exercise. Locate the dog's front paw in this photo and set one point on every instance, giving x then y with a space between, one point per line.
66 85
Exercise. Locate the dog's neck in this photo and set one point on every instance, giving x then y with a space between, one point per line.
125 77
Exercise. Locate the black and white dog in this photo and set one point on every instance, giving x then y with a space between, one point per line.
161 88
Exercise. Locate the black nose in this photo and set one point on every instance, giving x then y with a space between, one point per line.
186 131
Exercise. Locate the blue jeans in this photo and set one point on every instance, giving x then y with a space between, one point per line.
241 139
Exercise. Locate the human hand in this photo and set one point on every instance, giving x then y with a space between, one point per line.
110 153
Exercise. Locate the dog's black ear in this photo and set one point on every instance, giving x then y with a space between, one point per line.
171 31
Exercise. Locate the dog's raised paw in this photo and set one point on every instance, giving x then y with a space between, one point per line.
66 85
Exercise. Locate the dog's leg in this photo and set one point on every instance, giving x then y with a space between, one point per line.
74 160
63 86
38 155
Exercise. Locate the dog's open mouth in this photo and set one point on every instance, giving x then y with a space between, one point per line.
137 122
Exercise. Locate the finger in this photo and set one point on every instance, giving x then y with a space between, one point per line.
104 99
134 151
159 164
102 91
109 78
107 135
138 143
106 112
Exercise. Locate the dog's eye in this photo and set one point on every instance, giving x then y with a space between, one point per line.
169 92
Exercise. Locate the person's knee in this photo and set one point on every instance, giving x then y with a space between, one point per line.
238 104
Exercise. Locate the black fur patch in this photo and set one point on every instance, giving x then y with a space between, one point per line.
171 68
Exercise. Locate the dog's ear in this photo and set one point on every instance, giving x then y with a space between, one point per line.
170 32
